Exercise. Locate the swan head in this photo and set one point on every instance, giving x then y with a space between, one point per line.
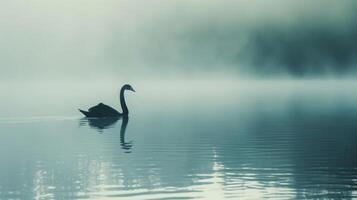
128 87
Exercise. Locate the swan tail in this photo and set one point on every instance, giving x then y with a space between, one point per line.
85 113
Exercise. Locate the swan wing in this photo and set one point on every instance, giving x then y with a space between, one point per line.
103 110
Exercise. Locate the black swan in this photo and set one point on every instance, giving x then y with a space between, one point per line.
102 110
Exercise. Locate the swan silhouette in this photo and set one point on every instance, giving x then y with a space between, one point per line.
102 110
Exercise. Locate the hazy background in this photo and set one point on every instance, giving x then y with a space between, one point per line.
157 39
201 125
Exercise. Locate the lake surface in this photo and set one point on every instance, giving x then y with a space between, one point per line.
183 140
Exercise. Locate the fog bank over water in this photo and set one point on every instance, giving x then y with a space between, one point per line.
64 98
64 40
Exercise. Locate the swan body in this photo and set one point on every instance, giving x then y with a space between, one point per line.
102 110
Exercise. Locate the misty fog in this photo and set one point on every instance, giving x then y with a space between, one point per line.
157 39
228 99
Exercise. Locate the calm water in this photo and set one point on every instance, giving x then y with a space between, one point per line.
193 140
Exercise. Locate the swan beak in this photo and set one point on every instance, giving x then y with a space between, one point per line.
132 89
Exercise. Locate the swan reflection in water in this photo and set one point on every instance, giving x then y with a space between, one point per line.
100 124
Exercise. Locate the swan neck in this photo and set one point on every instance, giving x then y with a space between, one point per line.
123 103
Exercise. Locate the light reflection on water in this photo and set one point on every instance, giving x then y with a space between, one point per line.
284 144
